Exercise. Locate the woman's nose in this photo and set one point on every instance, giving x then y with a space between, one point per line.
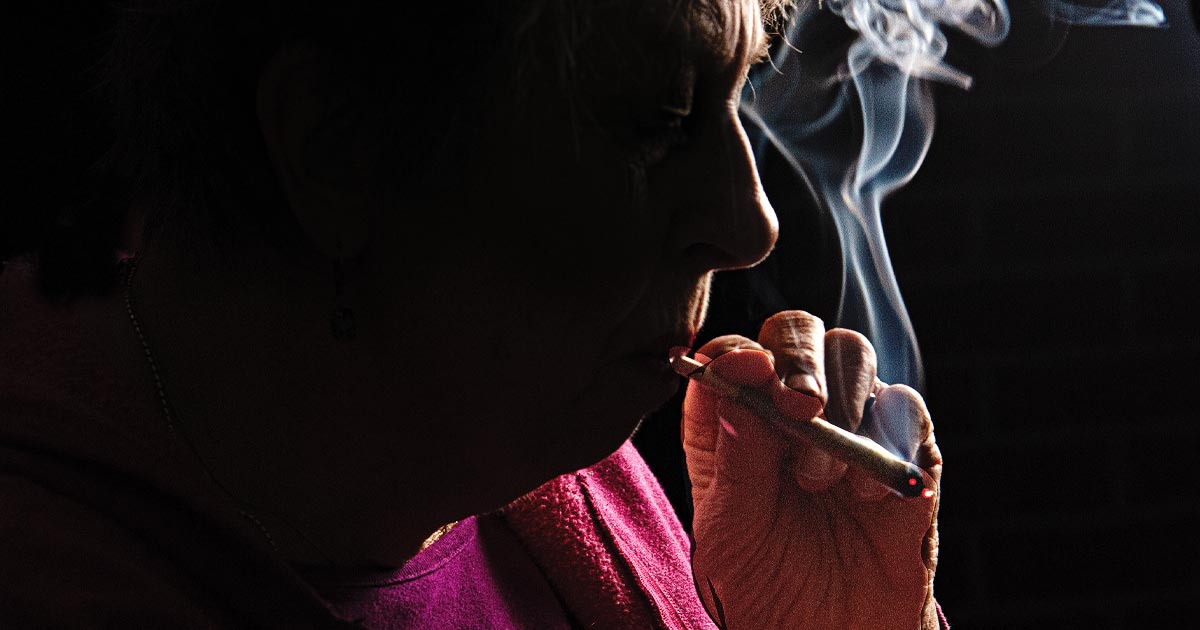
726 221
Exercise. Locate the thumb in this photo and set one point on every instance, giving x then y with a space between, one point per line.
735 459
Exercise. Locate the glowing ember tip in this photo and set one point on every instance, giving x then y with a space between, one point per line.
928 493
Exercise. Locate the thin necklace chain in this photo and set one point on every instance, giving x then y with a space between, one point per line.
169 417
132 264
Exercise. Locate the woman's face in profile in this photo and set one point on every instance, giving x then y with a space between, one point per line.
563 278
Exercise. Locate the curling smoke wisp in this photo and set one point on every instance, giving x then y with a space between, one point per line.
851 111
1113 13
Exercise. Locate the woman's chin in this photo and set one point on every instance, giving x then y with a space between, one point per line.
606 414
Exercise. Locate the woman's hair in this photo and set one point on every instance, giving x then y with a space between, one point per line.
164 121
175 135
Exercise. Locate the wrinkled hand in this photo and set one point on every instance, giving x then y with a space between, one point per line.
787 536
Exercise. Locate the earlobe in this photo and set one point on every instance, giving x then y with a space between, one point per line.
310 127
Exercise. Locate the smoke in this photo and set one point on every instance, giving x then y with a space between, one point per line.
851 110
1114 13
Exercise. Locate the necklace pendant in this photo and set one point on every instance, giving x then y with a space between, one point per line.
341 323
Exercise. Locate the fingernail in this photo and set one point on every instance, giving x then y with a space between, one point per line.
867 406
806 383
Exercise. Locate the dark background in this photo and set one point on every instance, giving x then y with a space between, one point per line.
1049 251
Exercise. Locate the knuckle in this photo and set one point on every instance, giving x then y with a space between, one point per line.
794 319
846 341
902 396
850 360
797 340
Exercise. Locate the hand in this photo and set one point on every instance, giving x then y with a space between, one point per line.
787 536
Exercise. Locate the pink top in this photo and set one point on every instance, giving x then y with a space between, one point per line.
476 575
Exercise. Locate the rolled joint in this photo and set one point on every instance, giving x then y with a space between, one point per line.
905 478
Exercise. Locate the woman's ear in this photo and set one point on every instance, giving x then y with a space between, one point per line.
313 126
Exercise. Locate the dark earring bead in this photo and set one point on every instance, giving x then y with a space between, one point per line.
341 323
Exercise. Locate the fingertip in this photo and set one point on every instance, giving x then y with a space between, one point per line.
796 339
850 368
899 421
900 395
805 384
744 366
844 338
727 343
794 317
929 459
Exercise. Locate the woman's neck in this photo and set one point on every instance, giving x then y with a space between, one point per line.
274 408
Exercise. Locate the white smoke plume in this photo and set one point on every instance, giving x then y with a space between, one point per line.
852 113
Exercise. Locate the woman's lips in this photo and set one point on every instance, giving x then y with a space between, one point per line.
666 345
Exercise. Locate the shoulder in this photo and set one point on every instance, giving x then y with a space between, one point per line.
67 565
66 561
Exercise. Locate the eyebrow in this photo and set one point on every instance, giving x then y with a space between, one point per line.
761 48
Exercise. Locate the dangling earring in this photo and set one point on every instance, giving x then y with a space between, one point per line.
341 321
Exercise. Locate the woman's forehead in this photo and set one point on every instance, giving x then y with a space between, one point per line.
730 31
624 55
720 36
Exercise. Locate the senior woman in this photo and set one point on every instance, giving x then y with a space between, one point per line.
405 282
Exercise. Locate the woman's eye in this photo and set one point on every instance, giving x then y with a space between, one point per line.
663 127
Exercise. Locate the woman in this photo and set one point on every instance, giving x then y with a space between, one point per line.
387 296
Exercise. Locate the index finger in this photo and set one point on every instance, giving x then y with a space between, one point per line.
797 341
